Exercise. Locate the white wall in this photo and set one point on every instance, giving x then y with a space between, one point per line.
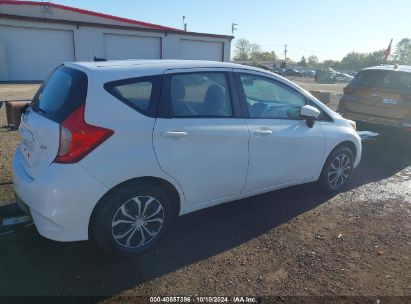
89 41
31 54
117 46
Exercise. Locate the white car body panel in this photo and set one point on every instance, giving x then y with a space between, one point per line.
290 154
220 160
40 142
210 162
55 198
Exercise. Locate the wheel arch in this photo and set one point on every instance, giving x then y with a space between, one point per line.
349 144
346 143
170 189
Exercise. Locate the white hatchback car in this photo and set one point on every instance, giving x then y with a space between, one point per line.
114 150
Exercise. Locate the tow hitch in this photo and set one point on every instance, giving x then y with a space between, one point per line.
12 218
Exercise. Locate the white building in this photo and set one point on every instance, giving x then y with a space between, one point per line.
35 37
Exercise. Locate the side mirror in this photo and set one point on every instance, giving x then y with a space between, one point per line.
310 114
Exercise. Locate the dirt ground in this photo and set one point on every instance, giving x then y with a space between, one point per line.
296 241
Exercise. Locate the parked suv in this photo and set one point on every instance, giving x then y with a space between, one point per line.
114 150
379 95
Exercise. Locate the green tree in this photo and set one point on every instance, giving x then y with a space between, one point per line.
255 51
402 54
242 50
265 56
303 62
357 61
352 61
313 61
374 58
330 63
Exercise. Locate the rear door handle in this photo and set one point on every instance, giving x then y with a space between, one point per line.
263 132
174 134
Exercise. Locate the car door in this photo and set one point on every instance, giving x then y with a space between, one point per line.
199 137
283 149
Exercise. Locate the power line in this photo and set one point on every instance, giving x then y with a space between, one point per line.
304 49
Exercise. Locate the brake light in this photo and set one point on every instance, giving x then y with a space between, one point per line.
348 90
78 138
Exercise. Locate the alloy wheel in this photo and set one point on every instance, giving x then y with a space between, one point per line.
339 171
137 222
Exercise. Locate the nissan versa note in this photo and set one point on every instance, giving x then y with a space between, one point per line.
113 150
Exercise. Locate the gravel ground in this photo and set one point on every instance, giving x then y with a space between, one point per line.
10 139
296 241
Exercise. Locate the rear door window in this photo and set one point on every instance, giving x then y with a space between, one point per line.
62 93
141 93
202 94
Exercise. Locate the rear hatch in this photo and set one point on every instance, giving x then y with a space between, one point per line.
380 93
62 93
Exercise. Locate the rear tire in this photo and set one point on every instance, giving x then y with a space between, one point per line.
131 219
337 169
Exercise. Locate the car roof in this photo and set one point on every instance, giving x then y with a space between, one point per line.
391 67
127 68
126 65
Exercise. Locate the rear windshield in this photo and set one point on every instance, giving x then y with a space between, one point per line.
62 93
390 80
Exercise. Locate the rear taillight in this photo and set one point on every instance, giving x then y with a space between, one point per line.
348 90
78 138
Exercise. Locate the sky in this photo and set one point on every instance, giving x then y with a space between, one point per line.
328 29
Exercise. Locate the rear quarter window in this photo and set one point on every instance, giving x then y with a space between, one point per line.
141 94
62 93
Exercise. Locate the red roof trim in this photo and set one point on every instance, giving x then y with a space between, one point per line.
90 13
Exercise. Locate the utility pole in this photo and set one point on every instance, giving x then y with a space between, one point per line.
285 53
233 28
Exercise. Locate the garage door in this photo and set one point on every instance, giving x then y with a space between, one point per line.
201 50
31 54
131 47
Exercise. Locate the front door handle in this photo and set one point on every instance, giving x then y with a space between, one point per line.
174 134
263 132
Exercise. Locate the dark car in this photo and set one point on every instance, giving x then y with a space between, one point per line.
309 73
293 72
279 71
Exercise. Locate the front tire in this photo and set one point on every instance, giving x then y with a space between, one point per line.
131 219
337 169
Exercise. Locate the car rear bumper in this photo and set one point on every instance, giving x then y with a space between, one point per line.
60 199
375 120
